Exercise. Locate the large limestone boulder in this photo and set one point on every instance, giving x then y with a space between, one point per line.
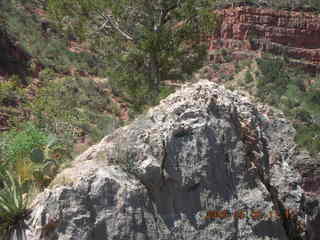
204 164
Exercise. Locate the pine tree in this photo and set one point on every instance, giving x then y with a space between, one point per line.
147 41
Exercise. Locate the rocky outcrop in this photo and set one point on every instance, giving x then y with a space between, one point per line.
204 164
296 34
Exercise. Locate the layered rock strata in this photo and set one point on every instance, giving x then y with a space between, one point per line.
295 34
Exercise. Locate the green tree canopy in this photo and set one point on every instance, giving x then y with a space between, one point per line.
147 41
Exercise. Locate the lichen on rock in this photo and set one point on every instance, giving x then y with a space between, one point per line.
203 164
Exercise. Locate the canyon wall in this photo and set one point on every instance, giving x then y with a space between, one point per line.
295 34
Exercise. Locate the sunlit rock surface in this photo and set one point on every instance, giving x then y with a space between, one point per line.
204 164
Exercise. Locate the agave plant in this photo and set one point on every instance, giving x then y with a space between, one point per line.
13 208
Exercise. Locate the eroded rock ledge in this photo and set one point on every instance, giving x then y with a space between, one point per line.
296 34
172 173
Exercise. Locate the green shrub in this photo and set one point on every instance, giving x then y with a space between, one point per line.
273 79
10 93
32 155
309 137
165 91
47 74
20 142
248 77
241 64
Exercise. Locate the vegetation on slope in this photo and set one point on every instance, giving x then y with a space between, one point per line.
147 42
297 94
274 81
27 24
54 103
62 89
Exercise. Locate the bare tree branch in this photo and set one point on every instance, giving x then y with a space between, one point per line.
115 25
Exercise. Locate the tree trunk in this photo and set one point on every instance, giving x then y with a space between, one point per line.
155 74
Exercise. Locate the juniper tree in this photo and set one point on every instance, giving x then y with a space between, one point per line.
147 41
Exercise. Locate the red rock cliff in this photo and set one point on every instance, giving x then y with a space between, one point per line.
296 34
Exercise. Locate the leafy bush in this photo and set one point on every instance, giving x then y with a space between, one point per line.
309 136
165 91
10 93
47 75
20 143
248 77
273 77
32 155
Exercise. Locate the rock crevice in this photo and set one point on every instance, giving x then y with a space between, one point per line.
198 184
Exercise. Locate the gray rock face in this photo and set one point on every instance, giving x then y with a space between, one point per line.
204 164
